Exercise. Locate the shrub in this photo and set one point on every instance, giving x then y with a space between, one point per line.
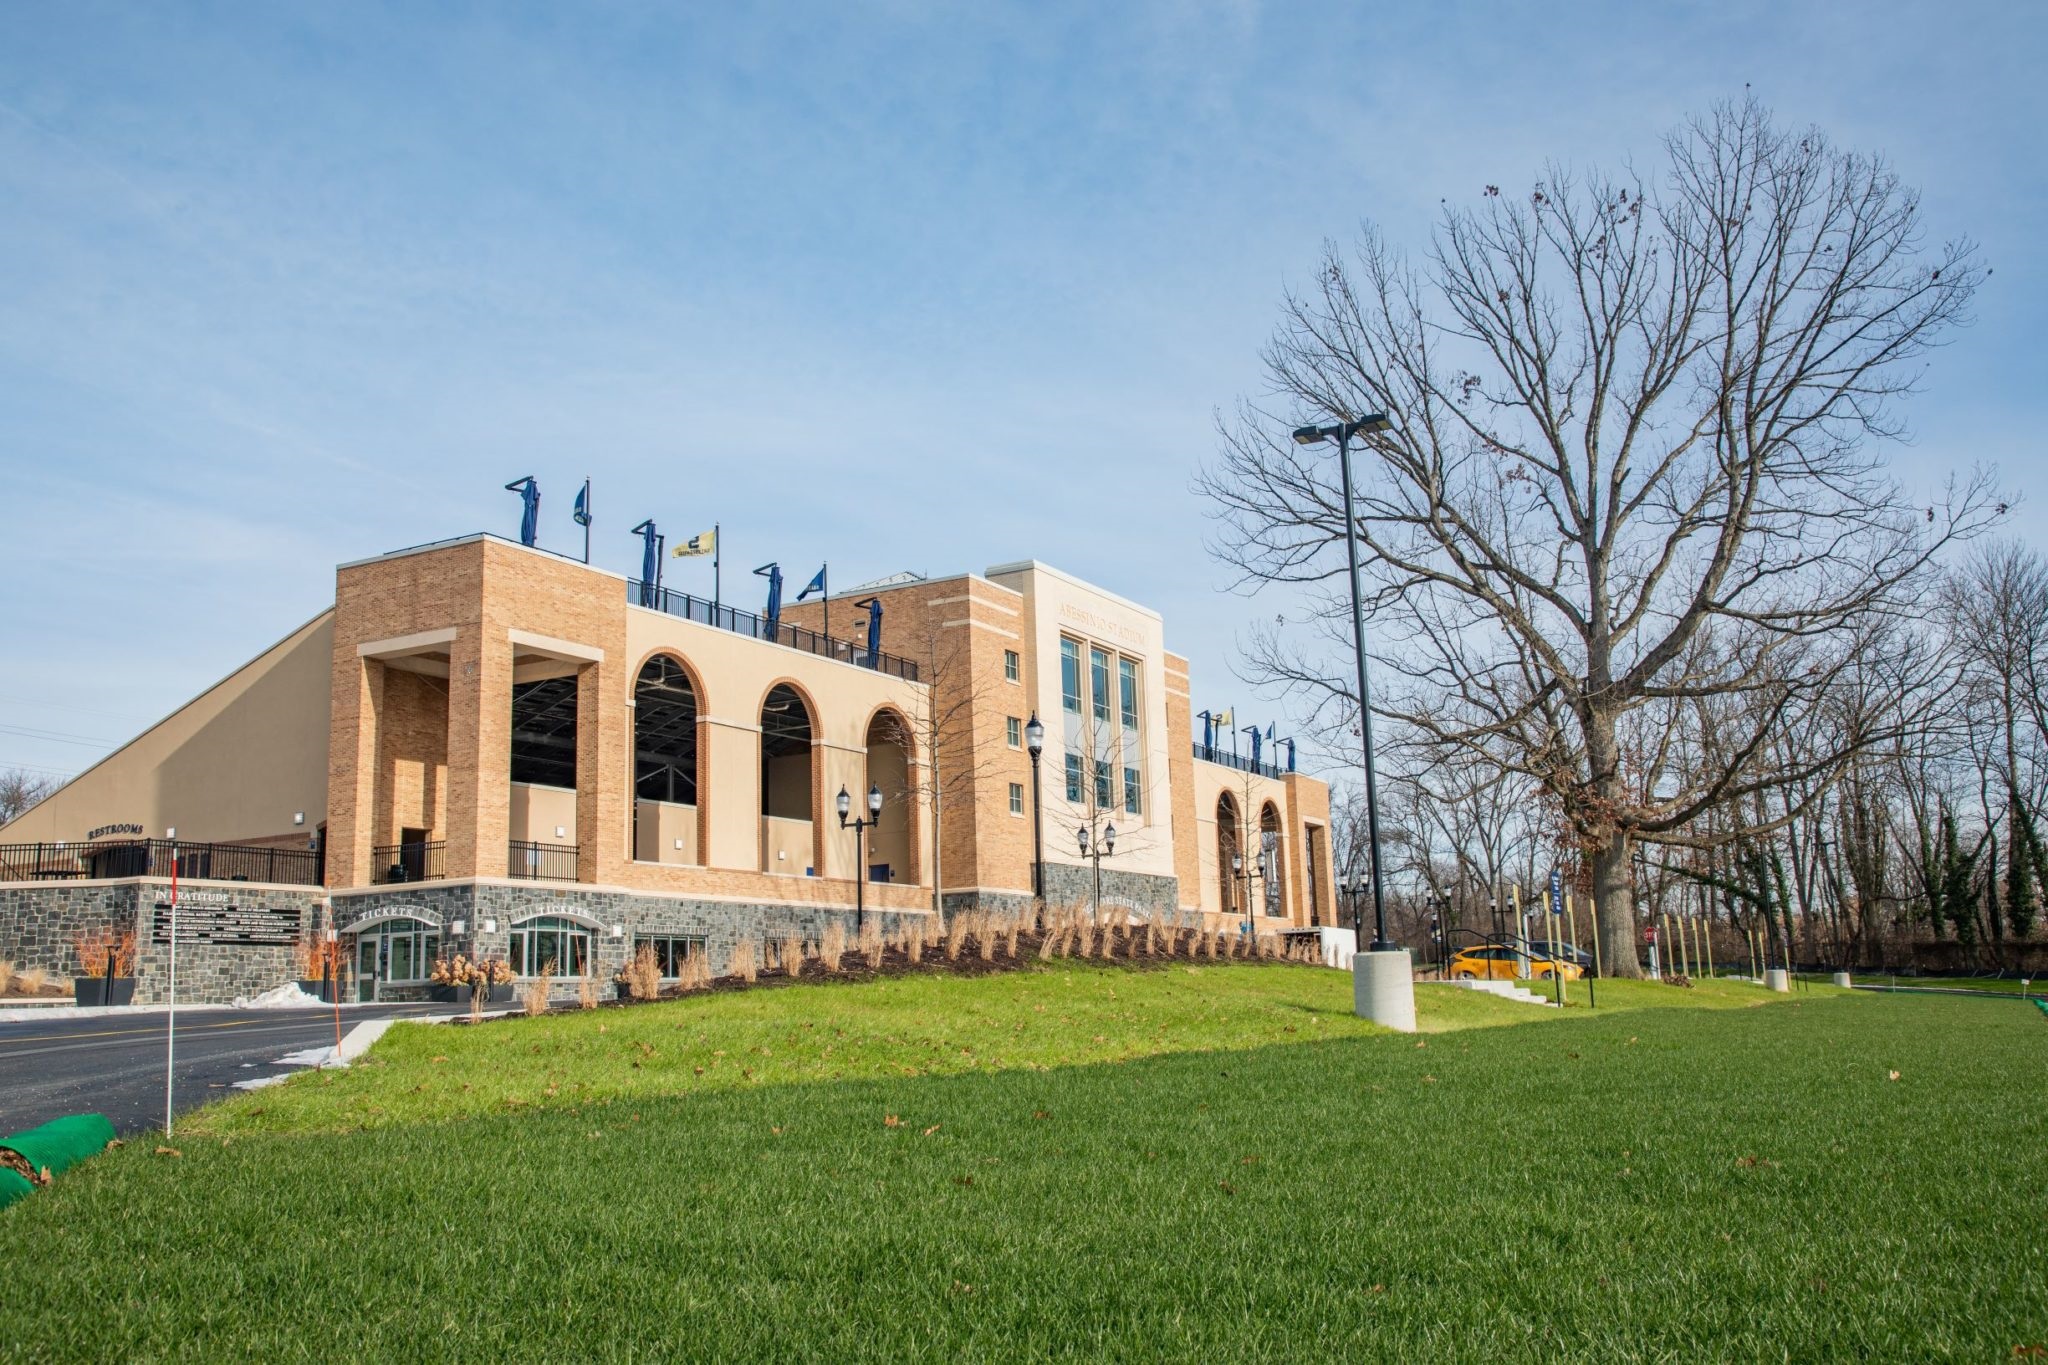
642 975
533 997
96 946
743 965
479 974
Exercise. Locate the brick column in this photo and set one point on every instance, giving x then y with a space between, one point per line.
603 777
357 700
479 753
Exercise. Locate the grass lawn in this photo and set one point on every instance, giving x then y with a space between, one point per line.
1155 1164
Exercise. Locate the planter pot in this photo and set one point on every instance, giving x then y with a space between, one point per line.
460 995
97 990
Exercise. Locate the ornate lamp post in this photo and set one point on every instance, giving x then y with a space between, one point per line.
1103 848
860 830
1034 740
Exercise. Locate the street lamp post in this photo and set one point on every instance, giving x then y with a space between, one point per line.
1103 848
1248 875
1383 988
860 830
1034 740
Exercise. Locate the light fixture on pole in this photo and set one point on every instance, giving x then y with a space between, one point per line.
860 828
1034 740
1101 848
1383 987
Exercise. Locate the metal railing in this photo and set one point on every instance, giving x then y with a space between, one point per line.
153 858
419 862
1243 765
746 623
542 862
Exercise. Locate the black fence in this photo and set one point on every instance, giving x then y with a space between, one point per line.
747 623
1243 765
408 862
542 862
155 857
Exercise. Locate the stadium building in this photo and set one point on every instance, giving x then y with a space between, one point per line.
486 747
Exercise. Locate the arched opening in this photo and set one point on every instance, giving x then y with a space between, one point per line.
396 948
786 785
889 850
1228 848
664 763
1272 861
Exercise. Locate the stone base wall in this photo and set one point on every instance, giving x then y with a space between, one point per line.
720 924
1004 904
1138 893
41 922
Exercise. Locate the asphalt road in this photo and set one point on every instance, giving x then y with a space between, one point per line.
114 1064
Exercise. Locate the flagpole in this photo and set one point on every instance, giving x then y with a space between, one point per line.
586 521
660 563
171 1019
717 549
825 577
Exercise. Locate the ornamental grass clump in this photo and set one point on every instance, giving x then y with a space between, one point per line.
790 956
832 947
956 936
6 976
31 981
985 936
533 996
586 993
641 976
871 944
744 965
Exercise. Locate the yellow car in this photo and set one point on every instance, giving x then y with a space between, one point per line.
1494 963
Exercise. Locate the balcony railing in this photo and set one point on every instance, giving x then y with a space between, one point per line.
542 862
154 857
747 623
1243 765
408 862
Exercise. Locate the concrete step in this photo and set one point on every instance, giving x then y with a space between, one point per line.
1506 990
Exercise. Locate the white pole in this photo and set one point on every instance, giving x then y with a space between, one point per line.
171 1020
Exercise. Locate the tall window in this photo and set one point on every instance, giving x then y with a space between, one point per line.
1076 778
1070 676
1014 729
564 942
671 951
1098 680
1133 800
1103 799
1016 798
1127 679
1011 665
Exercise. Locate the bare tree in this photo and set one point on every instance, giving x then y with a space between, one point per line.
1629 467
20 789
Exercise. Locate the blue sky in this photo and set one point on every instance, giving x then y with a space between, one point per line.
893 285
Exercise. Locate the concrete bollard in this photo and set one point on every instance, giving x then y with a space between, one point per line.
1777 979
1841 979
1383 989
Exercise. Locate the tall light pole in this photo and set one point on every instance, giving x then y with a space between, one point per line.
860 829
1102 848
1383 987
1034 740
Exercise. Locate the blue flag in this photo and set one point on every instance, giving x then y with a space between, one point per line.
1270 729
528 490
582 512
817 584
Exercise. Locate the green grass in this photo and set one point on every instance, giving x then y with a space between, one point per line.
1734 1178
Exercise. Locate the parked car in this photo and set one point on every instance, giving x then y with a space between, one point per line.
1570 952
1494 963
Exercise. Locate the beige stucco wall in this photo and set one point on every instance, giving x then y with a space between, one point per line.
235 764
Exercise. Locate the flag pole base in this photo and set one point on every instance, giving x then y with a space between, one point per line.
1383 989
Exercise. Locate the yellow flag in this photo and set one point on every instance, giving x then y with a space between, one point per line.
1224 718
703 544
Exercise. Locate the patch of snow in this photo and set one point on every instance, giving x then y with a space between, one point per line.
285 997
312 1056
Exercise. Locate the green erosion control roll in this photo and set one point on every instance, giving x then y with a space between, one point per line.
12 1187
60 1144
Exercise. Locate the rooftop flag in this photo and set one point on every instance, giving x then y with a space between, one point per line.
817 584
528 490
703 543
581 516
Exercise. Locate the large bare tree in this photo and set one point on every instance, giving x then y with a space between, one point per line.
1635 461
